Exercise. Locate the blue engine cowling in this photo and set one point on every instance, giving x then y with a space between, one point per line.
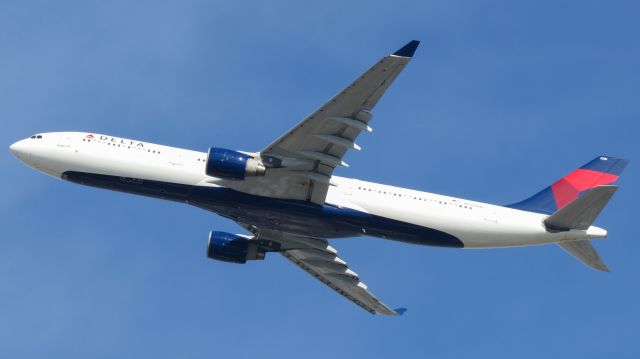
230 164
232 248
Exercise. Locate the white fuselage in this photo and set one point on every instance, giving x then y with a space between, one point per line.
477 225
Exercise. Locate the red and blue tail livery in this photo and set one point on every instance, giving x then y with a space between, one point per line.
603 170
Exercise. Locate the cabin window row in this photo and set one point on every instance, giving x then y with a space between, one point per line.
417 198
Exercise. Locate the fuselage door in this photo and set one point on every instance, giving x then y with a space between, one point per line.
64 140
491 217
175 158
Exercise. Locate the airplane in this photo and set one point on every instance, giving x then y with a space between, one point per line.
287 197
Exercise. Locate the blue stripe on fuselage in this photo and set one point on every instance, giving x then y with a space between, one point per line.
291 216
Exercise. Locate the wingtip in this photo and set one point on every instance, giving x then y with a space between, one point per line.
408 50
400 311
601 267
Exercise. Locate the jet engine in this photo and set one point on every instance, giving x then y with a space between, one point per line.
234 248
234 165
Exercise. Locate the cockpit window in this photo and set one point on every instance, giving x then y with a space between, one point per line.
36 136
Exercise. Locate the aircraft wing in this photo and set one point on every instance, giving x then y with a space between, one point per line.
318 258
301 162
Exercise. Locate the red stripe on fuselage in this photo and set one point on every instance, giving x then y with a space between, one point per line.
568 188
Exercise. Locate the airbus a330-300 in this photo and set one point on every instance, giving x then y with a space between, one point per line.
287 197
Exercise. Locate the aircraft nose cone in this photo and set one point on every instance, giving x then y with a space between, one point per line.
19 149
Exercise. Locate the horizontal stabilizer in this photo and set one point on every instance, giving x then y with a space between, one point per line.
584 251
580 213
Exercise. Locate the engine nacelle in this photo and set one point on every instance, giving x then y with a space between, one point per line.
234 165
232 248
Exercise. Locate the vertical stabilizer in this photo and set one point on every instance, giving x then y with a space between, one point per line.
602 170
573 203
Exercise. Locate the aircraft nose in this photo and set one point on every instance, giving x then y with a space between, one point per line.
20 150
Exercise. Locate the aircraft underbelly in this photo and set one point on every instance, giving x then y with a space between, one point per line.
291 216
307 219
486 227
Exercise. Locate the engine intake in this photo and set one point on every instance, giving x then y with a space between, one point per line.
230 164
232 248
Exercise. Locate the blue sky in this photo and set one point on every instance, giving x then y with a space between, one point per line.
501 99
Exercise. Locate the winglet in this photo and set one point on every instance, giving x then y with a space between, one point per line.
400 311
408 50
